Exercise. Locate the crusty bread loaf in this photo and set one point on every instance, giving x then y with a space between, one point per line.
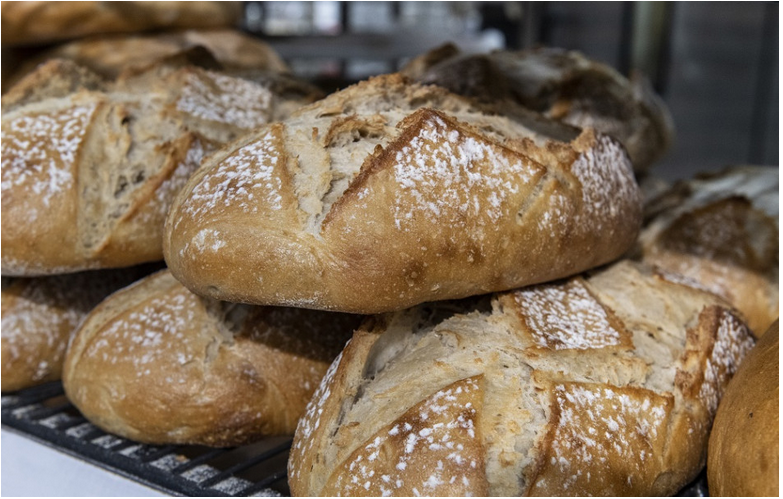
45 22
604 385
108 56
89 168
39 315
721 232
745 440
156 363
565 85
388 194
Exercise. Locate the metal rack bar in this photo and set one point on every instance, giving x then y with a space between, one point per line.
25 412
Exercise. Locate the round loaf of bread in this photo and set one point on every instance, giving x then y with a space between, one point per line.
745 440
39 315
721 232
45 22
157 364
604 386
388 194
90 168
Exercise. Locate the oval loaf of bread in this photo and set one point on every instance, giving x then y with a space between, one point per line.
155 363
89 168
388 194
604 385
40 314
721 232
744 457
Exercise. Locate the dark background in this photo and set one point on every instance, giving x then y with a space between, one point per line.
714 63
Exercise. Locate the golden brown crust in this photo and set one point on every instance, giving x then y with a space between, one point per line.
434 449
157 364
89 173
43 22
623 426
434 207
744 444
612 393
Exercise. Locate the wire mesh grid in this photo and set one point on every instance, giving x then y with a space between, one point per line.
44 414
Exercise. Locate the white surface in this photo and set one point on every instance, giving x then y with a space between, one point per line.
33 469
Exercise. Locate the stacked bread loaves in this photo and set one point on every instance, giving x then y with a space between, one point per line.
388 194
378 198
721 232
156 363
90 167
604 385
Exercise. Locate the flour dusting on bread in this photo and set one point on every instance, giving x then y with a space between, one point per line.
477 179
44 170
612 405
565 316
233 101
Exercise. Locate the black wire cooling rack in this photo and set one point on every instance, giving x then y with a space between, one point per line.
44 414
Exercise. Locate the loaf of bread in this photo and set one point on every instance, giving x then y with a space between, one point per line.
46 22
388 194
39 315
603 385
89 168
565 85
108 56
721 231
744 457
155 363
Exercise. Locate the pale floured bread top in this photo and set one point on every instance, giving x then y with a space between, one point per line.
564 85
566 317
97 165
351 124
402 184
333 137
45 171
624 410
721 231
